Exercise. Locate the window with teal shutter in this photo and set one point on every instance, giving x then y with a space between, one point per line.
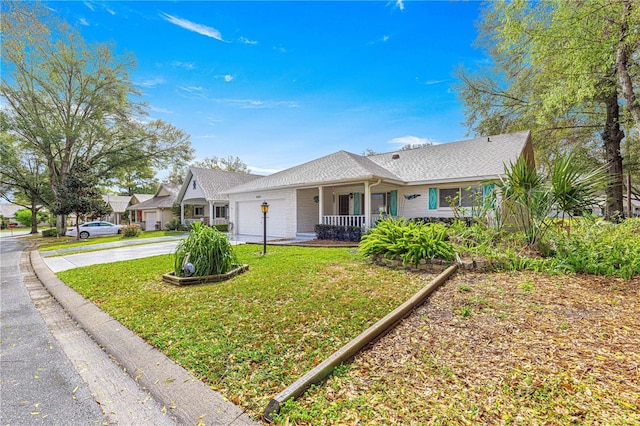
433 198
487 191
393 203
356 203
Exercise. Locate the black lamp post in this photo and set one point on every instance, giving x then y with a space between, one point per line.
265 209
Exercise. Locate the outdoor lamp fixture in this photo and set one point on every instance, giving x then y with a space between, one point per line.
265 208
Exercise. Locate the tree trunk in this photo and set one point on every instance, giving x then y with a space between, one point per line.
623 54
61 224
611 137
34 217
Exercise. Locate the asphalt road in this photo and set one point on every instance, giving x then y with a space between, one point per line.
38 383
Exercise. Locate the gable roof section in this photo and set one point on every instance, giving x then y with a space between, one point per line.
159 202
479 158
118 203
142 197
215 183
341 166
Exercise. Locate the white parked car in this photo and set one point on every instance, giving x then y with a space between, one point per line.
95 229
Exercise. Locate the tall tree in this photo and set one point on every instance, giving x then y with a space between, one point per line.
23 179
136 180
79 194
557 71
73 105
230 163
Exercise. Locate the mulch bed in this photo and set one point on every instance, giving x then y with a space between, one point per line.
507 348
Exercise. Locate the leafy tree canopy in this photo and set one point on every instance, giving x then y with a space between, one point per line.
74 105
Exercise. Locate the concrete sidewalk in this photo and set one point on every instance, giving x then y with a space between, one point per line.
182 395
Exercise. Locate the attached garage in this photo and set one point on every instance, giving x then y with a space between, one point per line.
150 221
250 218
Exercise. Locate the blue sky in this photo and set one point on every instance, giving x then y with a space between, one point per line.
281 83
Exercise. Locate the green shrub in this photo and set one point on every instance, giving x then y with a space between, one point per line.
53 232
130 231
222 227
209 251
339 233
601 248
174 225
409 240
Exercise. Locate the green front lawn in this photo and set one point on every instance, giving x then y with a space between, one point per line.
55 243
252 336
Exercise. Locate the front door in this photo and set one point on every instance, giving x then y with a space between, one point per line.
343 205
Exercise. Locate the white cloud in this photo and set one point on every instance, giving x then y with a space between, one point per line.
385 38
84 22
89 5
228 78
193 26
153 82
412 140
245 40
196 91
400 4
430 82
161 110
185 65
257 103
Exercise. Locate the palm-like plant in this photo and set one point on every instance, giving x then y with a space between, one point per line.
526 199
573 190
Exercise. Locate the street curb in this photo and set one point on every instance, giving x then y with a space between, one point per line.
183 395
348 351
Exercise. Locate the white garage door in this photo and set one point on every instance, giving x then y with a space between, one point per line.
250 218
150 223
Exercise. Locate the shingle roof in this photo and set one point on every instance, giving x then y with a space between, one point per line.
214 183
475 158
143 197
159 202
339 166
118 203
9 210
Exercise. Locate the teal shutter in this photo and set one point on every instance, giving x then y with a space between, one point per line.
433 198
393 203
487 191
356 203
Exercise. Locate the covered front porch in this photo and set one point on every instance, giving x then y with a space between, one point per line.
201 210
359 204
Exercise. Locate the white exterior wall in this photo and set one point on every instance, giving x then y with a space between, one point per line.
191 193
281 221
419 207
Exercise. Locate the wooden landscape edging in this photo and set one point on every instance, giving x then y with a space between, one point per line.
324 369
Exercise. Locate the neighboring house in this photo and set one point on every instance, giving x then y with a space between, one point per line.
118 204
135 216
156 211
8 212
349 189
202 196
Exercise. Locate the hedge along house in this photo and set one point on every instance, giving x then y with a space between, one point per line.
347 189
202 196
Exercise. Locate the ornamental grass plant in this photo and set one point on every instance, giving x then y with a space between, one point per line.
208 250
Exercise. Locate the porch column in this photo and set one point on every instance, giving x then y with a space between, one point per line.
211 213
182 212
367 204
320 203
